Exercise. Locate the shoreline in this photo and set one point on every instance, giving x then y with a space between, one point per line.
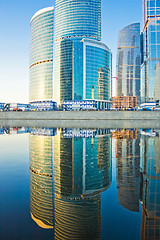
81 115
111 120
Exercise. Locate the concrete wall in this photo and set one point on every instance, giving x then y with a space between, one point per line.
84 115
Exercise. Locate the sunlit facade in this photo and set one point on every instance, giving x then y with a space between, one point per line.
129 61
151 49
41 56
82 64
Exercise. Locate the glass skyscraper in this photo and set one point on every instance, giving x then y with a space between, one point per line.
129 61
41 56
157 82
82 64
151 48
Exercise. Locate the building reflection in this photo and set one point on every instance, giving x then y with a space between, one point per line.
82 169
138 177
128 168
41 180
150 169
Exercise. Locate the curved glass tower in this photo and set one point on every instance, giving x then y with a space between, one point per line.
128 61
78 18
82 64
41 56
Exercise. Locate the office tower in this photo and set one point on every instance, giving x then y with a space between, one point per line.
78 161
41 56
41 180
82 64
150 170
151 49
128 62
157 82
128 168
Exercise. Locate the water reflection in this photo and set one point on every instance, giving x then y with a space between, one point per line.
41 180
82 171
150 169
138 176
71 168
128 168
81 174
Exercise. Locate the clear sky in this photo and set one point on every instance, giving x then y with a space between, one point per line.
15 18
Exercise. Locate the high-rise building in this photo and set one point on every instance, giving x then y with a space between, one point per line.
157 82
82 64
129 61
151 48
41 56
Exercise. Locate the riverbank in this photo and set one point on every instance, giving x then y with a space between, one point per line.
107 119
81 115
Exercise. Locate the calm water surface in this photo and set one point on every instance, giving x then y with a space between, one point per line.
79 184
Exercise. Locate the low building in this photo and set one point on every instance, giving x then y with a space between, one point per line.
43 106
148 105
124 102
85 105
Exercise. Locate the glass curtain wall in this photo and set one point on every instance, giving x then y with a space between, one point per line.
41 56
128 61
76 21
151 48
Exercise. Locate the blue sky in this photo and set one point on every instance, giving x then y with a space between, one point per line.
15 33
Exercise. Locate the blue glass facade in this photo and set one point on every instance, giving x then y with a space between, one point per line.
157 80
77 18
41 56
151 49
82 64
97 72
129 61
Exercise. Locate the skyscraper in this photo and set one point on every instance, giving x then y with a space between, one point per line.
151 48
128 61
82 64
157 82
41 56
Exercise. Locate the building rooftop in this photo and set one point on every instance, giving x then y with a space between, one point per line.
43 10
